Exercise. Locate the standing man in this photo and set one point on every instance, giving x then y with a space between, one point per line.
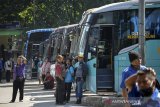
18 78
80 75
8 68
135 65
59 80
1 67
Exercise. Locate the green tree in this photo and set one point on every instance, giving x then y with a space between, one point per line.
9 9
47 13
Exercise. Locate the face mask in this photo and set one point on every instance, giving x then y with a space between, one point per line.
146 92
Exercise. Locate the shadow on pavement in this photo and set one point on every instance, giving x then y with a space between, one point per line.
43 98
4 103
39 93
52 104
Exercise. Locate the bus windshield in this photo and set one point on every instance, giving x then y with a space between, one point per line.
83 34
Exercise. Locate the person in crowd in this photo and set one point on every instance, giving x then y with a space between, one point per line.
75 60
64 66
40 63
68 79
1 68
49 81
135 65
19 78
59 80
53 69
35 61
45 68
8 68
80 75
146 86
12 60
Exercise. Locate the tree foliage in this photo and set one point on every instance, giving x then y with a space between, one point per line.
9 9
48 13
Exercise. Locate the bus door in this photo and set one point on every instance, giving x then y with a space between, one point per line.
105 73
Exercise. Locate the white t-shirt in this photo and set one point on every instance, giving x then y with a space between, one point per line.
52 70
8 65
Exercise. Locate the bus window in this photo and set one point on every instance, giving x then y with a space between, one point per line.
106 18
92 42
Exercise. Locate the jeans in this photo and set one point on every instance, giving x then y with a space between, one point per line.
79 87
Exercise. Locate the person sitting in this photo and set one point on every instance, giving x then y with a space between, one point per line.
49 81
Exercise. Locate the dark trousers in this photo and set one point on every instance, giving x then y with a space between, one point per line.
67 91
43 77
18 84
48 85
59 91
8 75
0 75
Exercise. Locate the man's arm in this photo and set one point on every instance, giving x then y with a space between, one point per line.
130 81
24 59
124 93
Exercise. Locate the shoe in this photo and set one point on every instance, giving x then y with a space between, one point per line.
20 100
11 101
61 103
78 101
66 101
57 103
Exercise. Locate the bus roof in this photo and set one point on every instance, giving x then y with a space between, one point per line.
61 30
84 15
40 30
133 4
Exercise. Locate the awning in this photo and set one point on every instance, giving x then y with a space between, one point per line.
9 32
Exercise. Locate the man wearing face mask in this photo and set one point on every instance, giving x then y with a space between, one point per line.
135 64
146 85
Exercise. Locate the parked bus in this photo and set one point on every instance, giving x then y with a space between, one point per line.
63 39
32 46
68 45
108 33
56 38
36 36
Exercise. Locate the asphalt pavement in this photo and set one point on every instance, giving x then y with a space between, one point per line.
34 96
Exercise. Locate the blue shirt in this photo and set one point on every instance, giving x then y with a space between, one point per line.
154 101
127 73
68 77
